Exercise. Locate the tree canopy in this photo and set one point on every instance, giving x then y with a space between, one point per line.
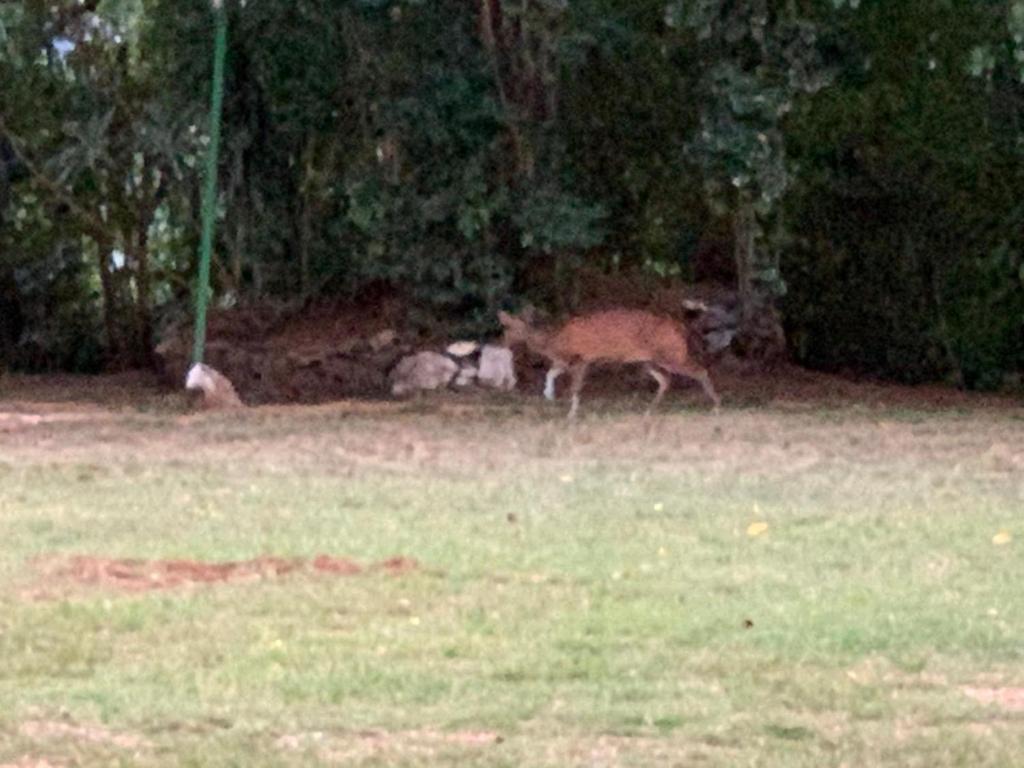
859 162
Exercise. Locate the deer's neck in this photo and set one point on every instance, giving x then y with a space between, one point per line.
539 341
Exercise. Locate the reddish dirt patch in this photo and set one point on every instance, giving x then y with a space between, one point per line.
132 575
1009 699
395 566
139 575
342 565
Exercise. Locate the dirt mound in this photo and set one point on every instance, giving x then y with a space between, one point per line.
310 354
133 575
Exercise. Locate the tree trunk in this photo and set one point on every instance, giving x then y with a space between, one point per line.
12 319
492 34
103 251
257 280
238 243
238 246
305 232
761 336
744 237
304 224
143 353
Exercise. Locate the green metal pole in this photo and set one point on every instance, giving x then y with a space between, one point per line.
210 188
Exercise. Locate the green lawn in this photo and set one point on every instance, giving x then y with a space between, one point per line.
589 594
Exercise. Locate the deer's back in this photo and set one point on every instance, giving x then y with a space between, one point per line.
618 335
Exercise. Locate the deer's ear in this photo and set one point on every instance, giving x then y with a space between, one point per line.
529 313
505 318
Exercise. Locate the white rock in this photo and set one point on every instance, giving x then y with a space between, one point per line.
462 348
497 368
217 390
422 371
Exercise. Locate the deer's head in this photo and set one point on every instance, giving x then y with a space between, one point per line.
517 329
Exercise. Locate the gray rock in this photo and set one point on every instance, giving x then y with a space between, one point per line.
422 371
467 375
718 340
717 317
497 368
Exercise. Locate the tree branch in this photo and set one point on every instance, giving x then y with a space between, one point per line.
89 221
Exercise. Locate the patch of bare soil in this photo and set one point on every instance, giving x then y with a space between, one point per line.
770 426
792 385
398 747
66 393
132 575
53 730
1007 699
367 745
17 421
28 403
785 386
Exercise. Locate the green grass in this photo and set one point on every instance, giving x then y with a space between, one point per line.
589 594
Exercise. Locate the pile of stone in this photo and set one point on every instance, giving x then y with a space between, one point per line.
256 364
717 322
463 364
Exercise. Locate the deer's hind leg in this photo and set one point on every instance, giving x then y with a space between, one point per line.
696 372
663 381
578 373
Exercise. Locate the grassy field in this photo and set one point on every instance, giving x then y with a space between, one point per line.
781 585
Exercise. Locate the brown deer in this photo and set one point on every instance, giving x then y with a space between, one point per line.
613 336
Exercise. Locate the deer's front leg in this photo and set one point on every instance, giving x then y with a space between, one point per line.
549 381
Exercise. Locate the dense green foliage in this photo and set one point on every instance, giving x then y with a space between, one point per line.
863 158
